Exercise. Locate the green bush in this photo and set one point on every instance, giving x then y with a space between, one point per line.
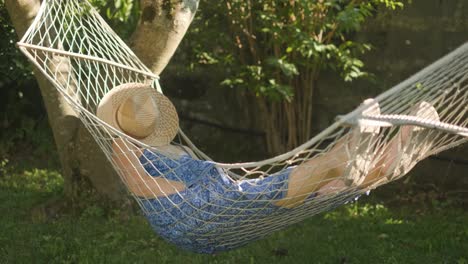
277 51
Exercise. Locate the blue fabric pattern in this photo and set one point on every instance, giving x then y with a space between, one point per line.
194 218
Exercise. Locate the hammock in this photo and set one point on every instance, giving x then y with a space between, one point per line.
83 58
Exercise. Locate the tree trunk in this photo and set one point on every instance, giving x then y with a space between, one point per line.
162 27
81 159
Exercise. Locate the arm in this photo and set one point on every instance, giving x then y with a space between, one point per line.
126 157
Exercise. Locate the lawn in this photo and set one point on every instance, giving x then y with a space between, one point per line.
367 231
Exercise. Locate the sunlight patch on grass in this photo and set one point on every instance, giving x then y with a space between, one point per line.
391 221
34 180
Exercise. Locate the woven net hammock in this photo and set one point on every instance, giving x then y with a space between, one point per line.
224 205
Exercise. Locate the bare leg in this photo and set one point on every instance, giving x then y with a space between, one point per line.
316 173
325 174
385 162
402 153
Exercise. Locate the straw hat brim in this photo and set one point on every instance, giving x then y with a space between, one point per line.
168 120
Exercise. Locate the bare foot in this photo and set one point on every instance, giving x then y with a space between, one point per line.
403 152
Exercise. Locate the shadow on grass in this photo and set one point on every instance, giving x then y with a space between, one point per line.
364 232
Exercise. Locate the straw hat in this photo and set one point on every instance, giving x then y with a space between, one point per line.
141 112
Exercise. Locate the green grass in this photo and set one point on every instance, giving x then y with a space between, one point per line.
362 232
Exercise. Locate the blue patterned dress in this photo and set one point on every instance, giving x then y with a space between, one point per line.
211 203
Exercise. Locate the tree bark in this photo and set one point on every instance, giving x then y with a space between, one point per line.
80 157
161 28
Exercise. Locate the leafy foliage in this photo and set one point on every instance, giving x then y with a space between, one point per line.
266 44
21 109
277 50
14 67
122 15
31 180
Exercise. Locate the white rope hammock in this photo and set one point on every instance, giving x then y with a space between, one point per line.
222 208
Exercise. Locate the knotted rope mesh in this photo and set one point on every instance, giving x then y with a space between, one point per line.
224 205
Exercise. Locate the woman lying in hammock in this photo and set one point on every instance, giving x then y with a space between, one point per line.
189 201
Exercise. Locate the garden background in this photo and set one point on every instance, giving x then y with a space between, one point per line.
422 217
